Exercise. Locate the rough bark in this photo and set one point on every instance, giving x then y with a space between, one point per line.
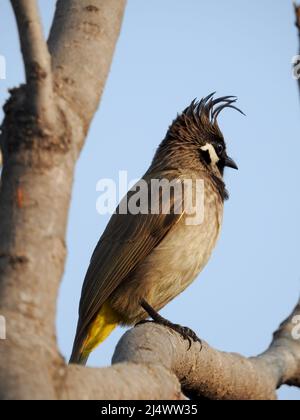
45 125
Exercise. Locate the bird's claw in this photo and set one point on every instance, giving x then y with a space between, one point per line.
186 333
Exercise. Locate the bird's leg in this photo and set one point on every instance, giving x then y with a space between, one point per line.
185 332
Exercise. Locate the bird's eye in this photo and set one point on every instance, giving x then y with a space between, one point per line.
219 149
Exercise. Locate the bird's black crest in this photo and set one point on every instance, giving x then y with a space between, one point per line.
210 108
200 119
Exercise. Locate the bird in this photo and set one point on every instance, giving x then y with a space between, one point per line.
145 259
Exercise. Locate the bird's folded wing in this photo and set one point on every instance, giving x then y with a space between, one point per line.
126 241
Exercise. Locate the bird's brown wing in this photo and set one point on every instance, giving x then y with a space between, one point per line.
126 241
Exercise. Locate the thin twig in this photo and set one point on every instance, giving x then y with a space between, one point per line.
37 60
297 12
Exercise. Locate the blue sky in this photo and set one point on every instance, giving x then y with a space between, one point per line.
170 52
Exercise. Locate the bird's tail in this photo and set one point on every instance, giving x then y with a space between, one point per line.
99 329
78 357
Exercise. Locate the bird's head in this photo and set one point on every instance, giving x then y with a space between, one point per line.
197 128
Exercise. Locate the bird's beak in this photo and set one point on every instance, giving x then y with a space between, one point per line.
230 163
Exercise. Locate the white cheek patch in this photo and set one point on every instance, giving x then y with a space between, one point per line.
212 153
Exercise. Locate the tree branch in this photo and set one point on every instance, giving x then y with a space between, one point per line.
297 12
150 361
37 60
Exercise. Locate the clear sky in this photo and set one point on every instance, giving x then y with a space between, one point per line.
170 52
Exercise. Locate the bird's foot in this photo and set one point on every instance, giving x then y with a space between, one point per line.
185 332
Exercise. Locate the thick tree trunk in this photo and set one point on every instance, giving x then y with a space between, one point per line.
43 132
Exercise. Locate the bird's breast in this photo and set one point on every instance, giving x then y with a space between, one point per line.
184 252
188 246
175 262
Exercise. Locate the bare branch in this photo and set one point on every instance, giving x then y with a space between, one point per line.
37 60
297 12
151 359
